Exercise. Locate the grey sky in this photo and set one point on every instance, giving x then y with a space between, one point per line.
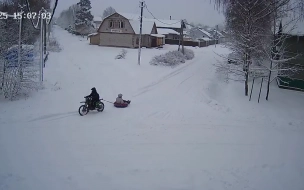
198 11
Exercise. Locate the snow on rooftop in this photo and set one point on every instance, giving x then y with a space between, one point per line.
205 32
158 35
166 31
220 34
146 26
92 34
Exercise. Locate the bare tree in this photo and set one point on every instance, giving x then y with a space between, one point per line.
108 11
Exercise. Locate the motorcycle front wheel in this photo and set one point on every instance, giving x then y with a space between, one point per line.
83 110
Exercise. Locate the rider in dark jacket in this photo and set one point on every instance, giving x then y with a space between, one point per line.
94 95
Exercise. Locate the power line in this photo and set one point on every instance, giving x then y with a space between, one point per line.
36 25
29 10
158 19
55 6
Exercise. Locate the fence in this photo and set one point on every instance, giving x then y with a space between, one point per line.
191 43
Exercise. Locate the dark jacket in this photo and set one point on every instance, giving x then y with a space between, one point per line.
94 95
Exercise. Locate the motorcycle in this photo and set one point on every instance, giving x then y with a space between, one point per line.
84 109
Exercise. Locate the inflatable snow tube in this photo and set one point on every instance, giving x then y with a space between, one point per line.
118 105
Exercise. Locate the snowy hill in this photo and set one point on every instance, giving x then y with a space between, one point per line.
185 128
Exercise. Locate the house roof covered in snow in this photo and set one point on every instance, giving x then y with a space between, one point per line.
205 32
158 35
166 31
220 34
92 34
147 26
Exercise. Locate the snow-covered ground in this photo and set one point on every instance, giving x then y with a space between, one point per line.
184 130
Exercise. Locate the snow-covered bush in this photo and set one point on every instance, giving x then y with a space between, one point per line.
54 45
172 58
122 54
189 54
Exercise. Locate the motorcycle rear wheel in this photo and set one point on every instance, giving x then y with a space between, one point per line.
100 107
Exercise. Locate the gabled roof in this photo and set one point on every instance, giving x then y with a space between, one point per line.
147 26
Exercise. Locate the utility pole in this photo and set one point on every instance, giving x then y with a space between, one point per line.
215 35
41 46
19 43
44 36
182 36
140 30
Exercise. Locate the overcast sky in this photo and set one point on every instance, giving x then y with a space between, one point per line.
197 11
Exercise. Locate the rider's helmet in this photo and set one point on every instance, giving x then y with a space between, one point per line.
119 95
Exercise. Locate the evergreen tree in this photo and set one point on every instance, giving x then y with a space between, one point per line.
83 15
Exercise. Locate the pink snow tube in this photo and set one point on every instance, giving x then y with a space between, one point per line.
118 105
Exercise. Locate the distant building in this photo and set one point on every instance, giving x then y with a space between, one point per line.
122 30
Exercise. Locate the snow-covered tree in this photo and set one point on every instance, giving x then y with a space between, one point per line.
84 18
258 47
67 17
108 11
249 25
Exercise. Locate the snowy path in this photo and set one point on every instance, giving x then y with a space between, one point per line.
178 133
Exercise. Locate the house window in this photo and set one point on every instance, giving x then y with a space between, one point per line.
116 24
121 24
111 24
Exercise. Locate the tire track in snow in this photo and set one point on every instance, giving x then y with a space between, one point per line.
163 79
54 116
